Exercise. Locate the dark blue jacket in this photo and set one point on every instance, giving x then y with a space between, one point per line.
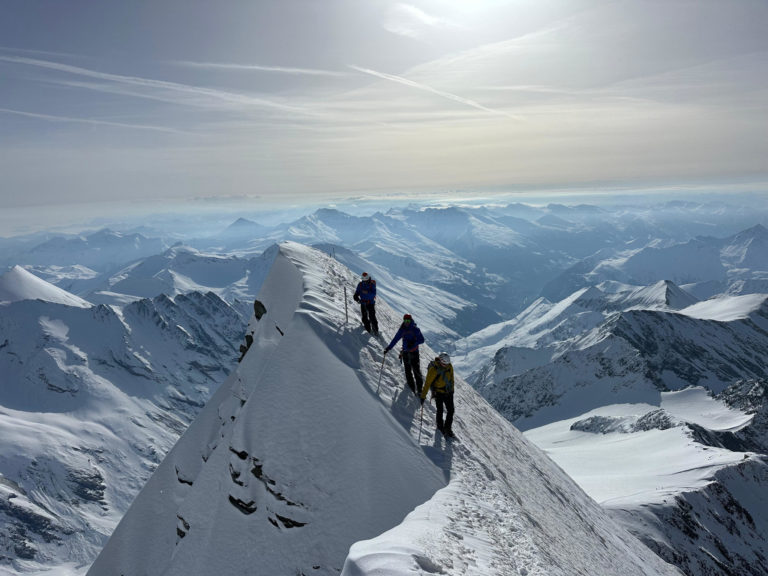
366 291
411 336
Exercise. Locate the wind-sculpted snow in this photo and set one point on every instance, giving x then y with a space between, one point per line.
313 445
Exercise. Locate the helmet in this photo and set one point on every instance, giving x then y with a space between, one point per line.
444 359
407 318
365 276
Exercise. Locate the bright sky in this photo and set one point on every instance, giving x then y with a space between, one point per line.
179 99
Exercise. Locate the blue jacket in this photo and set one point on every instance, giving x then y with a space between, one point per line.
411 336
366 291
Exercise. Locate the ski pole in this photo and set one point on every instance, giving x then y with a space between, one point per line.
421 420
380 371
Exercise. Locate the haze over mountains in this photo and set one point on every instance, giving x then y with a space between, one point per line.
585 326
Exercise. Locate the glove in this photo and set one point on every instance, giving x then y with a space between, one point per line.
387 349
422 401
356 298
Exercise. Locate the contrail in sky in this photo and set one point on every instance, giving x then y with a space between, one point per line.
424 87
260 68
153 84
89 121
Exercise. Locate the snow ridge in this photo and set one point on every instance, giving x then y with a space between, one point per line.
304 451
18 284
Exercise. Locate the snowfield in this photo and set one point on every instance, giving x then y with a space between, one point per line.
641 466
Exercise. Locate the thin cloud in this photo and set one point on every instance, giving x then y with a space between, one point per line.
425 88
118 79
260 68
53 118
412 22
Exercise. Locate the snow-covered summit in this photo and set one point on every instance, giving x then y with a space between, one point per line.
664 294
19 284
312 459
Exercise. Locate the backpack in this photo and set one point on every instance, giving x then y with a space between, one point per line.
444 373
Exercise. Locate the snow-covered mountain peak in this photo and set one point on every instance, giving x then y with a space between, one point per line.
664 294
242 224
19 284
313 446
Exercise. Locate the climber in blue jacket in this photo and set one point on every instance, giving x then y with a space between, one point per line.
409 355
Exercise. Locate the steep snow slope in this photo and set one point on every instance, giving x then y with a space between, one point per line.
18 284
312 446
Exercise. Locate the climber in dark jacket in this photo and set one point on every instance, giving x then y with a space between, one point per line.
409 355
365 295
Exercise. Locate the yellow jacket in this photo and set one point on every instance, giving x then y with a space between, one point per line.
439 376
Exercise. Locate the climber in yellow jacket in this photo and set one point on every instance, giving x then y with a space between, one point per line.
440 379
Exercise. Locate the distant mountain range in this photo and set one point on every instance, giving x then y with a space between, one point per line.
499 259
704 266
585 326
